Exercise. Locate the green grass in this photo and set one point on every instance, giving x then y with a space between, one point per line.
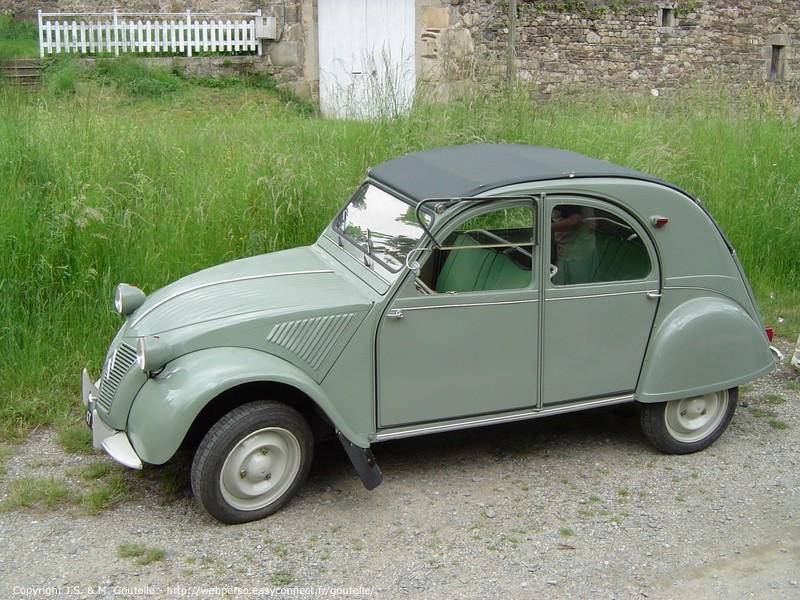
762 413
26 492
142 554
100 486
135 78
5 453
18 39
280 579
769 415
774 399
120 180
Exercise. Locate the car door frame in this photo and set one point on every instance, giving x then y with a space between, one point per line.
403 300
590 354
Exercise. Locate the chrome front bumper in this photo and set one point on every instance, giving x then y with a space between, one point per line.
114 442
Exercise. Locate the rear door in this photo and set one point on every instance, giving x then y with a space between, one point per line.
600 303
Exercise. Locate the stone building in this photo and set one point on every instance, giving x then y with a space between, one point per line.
438 46
637 45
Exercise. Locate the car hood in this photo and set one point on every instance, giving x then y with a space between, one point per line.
290 282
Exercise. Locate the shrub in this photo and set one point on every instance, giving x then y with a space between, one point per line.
136 78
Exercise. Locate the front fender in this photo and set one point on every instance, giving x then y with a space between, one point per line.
167 405
704 345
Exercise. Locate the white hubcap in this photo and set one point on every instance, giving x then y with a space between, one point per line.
691 419
260 468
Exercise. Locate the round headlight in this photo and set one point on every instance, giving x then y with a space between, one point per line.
151 353
127 298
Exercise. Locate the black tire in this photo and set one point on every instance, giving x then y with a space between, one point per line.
252 461
689 424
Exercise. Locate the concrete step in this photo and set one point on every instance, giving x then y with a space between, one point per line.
23 72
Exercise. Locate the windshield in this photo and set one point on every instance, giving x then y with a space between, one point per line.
382 225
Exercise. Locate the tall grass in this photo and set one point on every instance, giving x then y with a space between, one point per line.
18 38
108 185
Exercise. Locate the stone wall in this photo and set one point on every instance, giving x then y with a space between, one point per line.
445 52
639 46
27 9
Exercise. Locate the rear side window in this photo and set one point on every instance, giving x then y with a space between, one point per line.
591 245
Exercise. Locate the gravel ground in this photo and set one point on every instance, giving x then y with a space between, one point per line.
578 506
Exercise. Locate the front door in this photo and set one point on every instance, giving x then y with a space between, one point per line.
366 57
599 304
463 340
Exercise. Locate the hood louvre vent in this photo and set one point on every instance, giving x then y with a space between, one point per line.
311 339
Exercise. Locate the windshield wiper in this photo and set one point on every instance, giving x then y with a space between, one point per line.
370 246
369 250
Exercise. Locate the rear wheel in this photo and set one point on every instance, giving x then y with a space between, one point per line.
689 424
251 462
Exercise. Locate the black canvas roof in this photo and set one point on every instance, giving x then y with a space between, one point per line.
463 171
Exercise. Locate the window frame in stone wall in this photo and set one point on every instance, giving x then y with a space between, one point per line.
776 52
666 19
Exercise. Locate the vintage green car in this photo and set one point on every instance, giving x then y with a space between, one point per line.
458 287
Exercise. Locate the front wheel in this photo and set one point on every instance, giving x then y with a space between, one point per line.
251 462
689 424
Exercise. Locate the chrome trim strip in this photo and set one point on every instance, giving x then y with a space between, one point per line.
609 295
675 281
469 304
139 317
480 246
697 288
693 288
531 414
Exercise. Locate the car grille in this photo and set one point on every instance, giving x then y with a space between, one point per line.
117 365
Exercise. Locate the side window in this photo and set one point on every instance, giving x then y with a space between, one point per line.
491 251
591 245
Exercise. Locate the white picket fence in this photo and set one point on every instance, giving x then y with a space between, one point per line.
115 32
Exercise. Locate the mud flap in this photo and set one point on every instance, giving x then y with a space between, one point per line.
364 463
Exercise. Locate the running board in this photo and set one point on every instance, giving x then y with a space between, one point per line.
523 416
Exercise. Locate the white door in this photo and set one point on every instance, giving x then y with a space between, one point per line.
366 57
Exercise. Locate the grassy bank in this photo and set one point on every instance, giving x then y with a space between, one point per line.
17 38
101 183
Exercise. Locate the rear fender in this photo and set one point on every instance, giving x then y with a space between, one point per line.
168 404
704 345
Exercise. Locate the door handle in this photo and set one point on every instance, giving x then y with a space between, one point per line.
653 295
395 313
